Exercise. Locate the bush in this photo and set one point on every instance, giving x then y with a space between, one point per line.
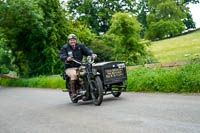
37 82
124 33
179 80
184 79
102 50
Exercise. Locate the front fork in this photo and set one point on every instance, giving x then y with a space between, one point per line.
91 87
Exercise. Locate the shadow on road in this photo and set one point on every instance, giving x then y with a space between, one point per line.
106 100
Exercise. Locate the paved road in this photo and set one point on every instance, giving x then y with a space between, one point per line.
33 110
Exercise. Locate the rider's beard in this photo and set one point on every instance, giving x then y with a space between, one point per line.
73 45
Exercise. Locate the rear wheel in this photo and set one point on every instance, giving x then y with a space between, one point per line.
97 92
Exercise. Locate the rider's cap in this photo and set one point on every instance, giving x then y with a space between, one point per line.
71 36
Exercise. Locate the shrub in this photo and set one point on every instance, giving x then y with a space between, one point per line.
37 82
184 79
179 80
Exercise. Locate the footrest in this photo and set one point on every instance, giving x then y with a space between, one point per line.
65 90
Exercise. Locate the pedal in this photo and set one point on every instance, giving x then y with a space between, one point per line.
77 97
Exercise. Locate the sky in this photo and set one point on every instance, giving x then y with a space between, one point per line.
195 10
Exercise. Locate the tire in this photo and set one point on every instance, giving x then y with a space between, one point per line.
97 93
116 93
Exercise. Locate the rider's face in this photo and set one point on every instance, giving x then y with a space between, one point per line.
72 42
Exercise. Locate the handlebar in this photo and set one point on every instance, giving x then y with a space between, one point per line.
77 61
90 60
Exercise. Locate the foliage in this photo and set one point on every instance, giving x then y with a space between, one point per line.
103 51
181 80
83 33
36 82
22 24
57 29
12 24
185 79
125 30
142 10
165 19
191 1
97 14
144 7
35 31
6 60
188 21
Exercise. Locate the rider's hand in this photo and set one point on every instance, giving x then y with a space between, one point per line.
69 59
94 56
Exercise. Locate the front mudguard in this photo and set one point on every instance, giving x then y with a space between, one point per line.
96 73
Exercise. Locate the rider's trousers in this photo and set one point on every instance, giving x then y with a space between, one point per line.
72 73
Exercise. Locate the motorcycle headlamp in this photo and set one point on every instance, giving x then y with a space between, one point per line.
90 59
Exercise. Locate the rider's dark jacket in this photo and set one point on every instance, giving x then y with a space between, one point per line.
77 53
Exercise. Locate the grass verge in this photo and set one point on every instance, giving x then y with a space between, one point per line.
185 79
36 82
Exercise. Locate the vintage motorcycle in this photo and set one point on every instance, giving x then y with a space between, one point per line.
96 80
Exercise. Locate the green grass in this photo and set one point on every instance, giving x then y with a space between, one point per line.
185 79
175 49
36 82
179 80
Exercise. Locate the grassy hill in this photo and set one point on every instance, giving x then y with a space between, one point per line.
178 48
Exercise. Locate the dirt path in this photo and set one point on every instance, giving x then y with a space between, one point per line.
163 64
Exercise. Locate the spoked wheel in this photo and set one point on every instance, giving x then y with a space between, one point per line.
116 92
97 93
70 94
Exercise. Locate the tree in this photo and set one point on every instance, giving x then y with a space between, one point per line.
96 14
104 52
191 1
165 19
36 30
57 28
18 20
125 29
142 10
188 21
6 58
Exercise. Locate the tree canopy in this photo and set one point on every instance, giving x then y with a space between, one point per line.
125 28
165 19
33 31
96 14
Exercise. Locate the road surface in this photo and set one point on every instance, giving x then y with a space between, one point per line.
34 110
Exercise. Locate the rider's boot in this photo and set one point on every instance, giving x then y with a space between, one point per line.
73 87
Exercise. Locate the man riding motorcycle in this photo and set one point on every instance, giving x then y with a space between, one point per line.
76 51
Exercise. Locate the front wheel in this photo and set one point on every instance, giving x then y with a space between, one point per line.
97 91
